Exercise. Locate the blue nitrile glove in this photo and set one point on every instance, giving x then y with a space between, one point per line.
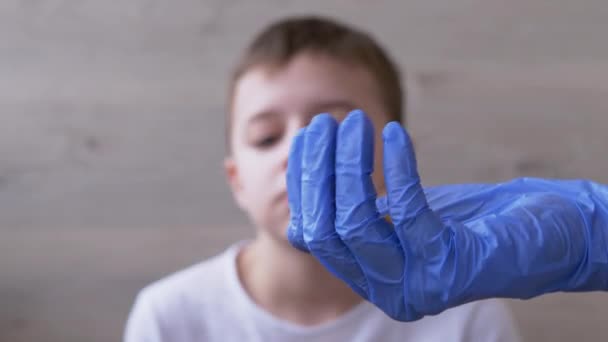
448 245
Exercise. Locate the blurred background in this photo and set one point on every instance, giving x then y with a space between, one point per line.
111 135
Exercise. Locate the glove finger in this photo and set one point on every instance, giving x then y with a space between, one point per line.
318 203
370 238
382 205
408 207
294 173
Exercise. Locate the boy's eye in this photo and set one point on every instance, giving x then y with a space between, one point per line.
267 141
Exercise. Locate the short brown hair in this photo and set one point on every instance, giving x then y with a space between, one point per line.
280 42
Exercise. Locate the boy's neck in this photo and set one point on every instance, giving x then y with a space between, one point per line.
291 284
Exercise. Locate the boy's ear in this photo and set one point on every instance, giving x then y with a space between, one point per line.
232 176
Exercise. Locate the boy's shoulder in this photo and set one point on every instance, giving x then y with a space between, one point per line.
486 320
181 306
195 285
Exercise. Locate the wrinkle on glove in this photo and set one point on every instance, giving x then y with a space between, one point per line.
446 245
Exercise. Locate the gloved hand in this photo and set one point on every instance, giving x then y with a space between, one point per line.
448 245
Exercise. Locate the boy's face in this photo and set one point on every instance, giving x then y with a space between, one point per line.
268 108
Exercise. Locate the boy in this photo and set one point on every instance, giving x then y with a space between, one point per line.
266 290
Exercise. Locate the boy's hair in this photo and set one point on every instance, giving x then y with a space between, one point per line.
280 42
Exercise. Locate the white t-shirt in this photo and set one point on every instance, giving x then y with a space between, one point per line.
206 302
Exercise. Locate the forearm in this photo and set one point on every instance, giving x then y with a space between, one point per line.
553 238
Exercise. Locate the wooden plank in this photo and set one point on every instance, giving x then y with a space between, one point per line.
490 125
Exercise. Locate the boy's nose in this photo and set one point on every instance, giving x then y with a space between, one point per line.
285 152
284 163
295 127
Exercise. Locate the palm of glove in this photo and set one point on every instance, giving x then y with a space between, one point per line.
424 261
